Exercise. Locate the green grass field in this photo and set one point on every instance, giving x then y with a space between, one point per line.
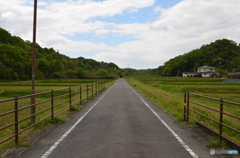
12 89
169 94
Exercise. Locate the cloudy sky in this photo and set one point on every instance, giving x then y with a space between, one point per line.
139 33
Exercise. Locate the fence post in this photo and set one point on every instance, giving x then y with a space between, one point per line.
184 111
221 120
97 87
92 90
87 91
70 97
187 106
81 94
52 104
16 120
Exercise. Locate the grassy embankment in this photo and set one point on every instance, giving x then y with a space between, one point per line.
169 94
12 89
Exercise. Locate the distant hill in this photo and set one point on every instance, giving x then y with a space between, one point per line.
223 54
16 55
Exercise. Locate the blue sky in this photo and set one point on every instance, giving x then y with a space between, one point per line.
143 15
140 33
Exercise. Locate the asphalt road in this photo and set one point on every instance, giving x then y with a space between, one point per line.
120 123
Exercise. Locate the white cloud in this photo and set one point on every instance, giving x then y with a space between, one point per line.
158 9
178 29
8 16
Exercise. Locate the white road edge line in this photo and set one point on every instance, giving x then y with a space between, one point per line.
169 128
54 146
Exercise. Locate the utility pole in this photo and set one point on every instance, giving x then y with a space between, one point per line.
33 98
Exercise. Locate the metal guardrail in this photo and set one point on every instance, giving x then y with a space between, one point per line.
220 111
57 101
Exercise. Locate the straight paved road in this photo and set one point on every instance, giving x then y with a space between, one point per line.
120 123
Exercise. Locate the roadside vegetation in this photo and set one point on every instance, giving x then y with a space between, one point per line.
168 93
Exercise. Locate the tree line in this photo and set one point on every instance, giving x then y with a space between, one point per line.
223 54
16 62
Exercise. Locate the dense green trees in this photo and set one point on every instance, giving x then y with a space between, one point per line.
103 73
15 62
223 54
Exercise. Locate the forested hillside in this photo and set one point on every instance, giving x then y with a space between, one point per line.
16 56
223 54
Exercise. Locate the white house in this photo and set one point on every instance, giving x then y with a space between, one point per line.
204 71
208 71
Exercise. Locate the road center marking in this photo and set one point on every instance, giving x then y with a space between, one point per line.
186 147
54 146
